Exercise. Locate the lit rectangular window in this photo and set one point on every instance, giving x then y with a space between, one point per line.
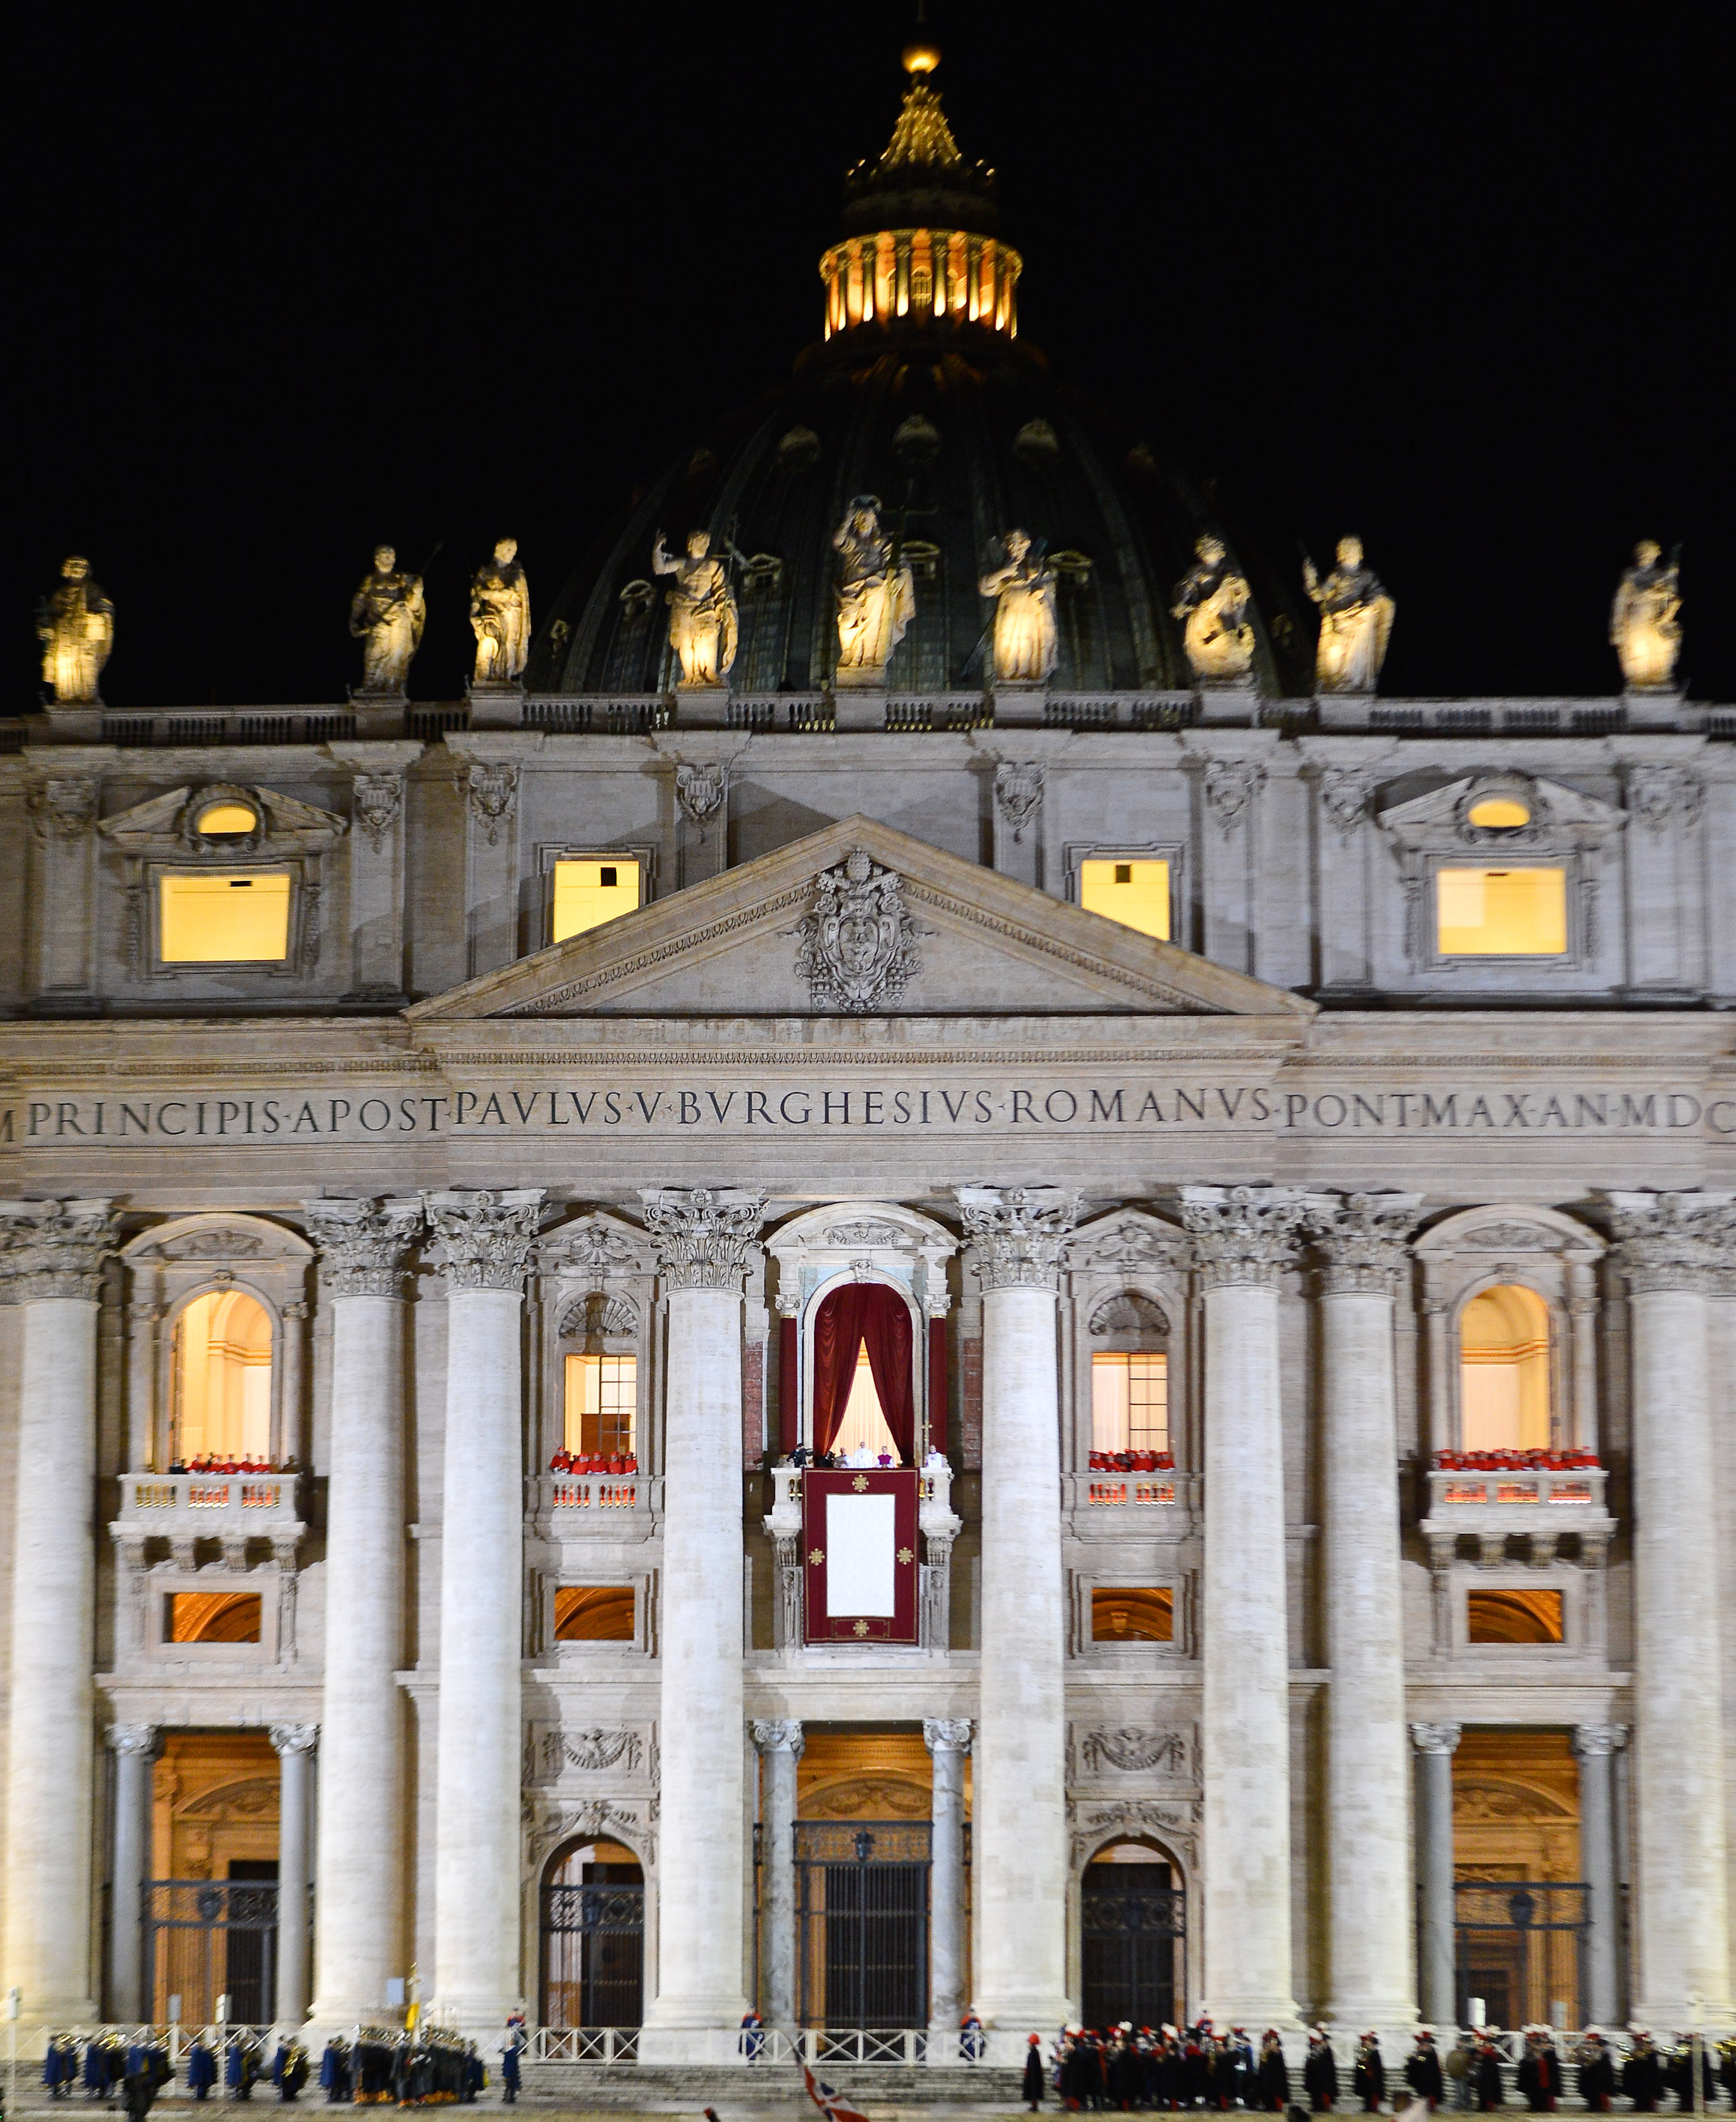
1501 913
1129 1403
1136 894
593 1614
1515 1617
225 917
602 1401
592 891
1145 1615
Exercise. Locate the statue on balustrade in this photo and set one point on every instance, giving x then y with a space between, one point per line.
1645 620
1356 622
500 617
1212 602
1024 591
703 620
77 631
877 596
386 616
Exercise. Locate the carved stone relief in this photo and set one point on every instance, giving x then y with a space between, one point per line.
857 947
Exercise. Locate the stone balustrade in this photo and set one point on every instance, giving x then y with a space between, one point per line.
214 1505
1538 1504
569 1502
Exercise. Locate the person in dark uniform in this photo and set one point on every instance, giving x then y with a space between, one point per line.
1320 2072
1368 2076
335 2075
1540 2072
510 2050
289 2069
1272 2078
1423 2071
1031 2089
1597 2071
201 2068
1642 2074
1727 2068
1491 2085
1681 2074
59 2065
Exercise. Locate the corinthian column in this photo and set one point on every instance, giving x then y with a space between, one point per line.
703 1238
362 1247
949 1740
53 1258
1362 1238
485 1242
779 1741
1020 1823
1671 1246
1243 1238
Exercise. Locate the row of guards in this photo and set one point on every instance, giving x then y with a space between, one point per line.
426 2067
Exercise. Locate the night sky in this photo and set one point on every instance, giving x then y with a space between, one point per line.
291 279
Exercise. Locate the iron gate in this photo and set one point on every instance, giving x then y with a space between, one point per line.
207 1937
593 1954
862 1922
1519 1944
1132 1929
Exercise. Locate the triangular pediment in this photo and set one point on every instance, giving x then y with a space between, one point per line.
916 931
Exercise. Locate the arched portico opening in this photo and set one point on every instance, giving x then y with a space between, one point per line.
592 1921
1132 1936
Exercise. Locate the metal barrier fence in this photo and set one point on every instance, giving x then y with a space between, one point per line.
207 1938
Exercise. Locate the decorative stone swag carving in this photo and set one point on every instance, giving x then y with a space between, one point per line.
1363 1239
1242 1234
56 1249
702 1234
1135 1750
1673 1240
484 1239
1018 1232
363 1243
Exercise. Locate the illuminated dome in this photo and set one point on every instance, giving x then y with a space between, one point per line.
921 394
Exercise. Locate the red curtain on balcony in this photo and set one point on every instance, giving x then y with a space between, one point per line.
872 1315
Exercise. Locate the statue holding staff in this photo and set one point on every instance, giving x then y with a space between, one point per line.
386 616
877 595
1645 620
703 619
500 617
1356 622
1024 591
1212 602
77 631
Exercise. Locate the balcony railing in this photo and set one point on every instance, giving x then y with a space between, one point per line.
1128 1494
1572 1488
1536 1505
209 1503
572 1502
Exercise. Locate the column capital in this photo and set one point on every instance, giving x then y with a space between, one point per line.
1018 1232
51 1249
1242 1234
363 1243
1436 1738
1363 1239
946 1735
1592 1741
779 1735
294 1738
145 1739
1666 1240
483 1239
702 1233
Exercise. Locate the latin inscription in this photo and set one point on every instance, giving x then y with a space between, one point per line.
555 1110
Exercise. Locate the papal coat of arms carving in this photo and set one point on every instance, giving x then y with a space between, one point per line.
857 949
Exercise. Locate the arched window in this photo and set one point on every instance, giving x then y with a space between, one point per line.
593 1937
1504 1371
223 1379
864 1386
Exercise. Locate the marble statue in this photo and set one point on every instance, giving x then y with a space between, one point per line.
1645 621
500 617
703 621
1356 622
387 615
1024 591
77 631
876 597
1212 602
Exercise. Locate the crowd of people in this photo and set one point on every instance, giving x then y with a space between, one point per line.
1126 2069
216 1462
427 2067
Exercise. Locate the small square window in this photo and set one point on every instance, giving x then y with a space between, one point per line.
1136 894
589 893
1501 913
224 917
1145 1615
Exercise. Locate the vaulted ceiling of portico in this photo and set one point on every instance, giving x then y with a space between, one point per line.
983 944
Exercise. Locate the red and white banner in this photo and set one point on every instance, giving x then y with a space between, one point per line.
859 1554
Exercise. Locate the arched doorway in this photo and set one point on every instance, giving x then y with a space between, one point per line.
1133 1938
593 1937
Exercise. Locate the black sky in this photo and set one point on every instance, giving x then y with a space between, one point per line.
292 278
